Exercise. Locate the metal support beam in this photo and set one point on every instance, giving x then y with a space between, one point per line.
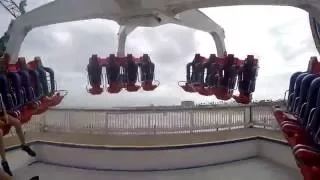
198 20
11 7
124 31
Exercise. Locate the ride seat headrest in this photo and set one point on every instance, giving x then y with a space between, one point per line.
38 60
250 57
33 64
305 86
146 58
129 56
94 60
230 56
212 57
314 65
3 65
297 86
22 63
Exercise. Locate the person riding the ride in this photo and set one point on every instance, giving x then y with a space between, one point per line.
6 119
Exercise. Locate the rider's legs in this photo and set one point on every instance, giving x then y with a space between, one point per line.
4 176
4 161
17 125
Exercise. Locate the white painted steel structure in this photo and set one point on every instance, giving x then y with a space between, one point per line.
67 159
133 13
152 121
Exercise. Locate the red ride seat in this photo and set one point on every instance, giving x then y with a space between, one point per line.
149 86
187 87
57 98
247 79
26 114
194 76
294 128
282 116
132 87
94 69
114 88
223 93
206 91
243 98
147 73
308 160
95 90
130 67
227 80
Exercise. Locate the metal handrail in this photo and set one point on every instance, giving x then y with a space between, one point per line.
152 120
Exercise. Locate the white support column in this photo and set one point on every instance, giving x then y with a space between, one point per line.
17 34
220 45
197 20
124 31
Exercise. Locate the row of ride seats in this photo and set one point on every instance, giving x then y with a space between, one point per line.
25 89
121 73
218 76
300 122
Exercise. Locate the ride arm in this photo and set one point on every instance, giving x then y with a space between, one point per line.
124 31
315 25
198 20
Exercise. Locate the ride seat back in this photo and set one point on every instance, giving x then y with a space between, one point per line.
36 84
147 70
26 86
228 79
293 79
113 70
314 114
52 83
131 70
94 71
247 76
36 64
212 69
304 89
16 87
6 94
296 93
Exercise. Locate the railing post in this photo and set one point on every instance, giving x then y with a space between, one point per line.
229 118
43 124
248 117
149 124
191 113
92 122
150 128
67 119
106 122
274 124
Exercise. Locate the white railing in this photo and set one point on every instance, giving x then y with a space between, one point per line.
152 120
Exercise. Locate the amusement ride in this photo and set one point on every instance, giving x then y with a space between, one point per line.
29 88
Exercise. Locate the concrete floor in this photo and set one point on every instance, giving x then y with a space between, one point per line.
251 169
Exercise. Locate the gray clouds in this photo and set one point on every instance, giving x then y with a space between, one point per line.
67 47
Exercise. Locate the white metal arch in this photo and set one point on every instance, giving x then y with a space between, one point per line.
131 14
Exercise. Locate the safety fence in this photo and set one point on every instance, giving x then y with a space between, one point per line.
152 120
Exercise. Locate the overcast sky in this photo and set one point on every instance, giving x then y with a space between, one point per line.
279 36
